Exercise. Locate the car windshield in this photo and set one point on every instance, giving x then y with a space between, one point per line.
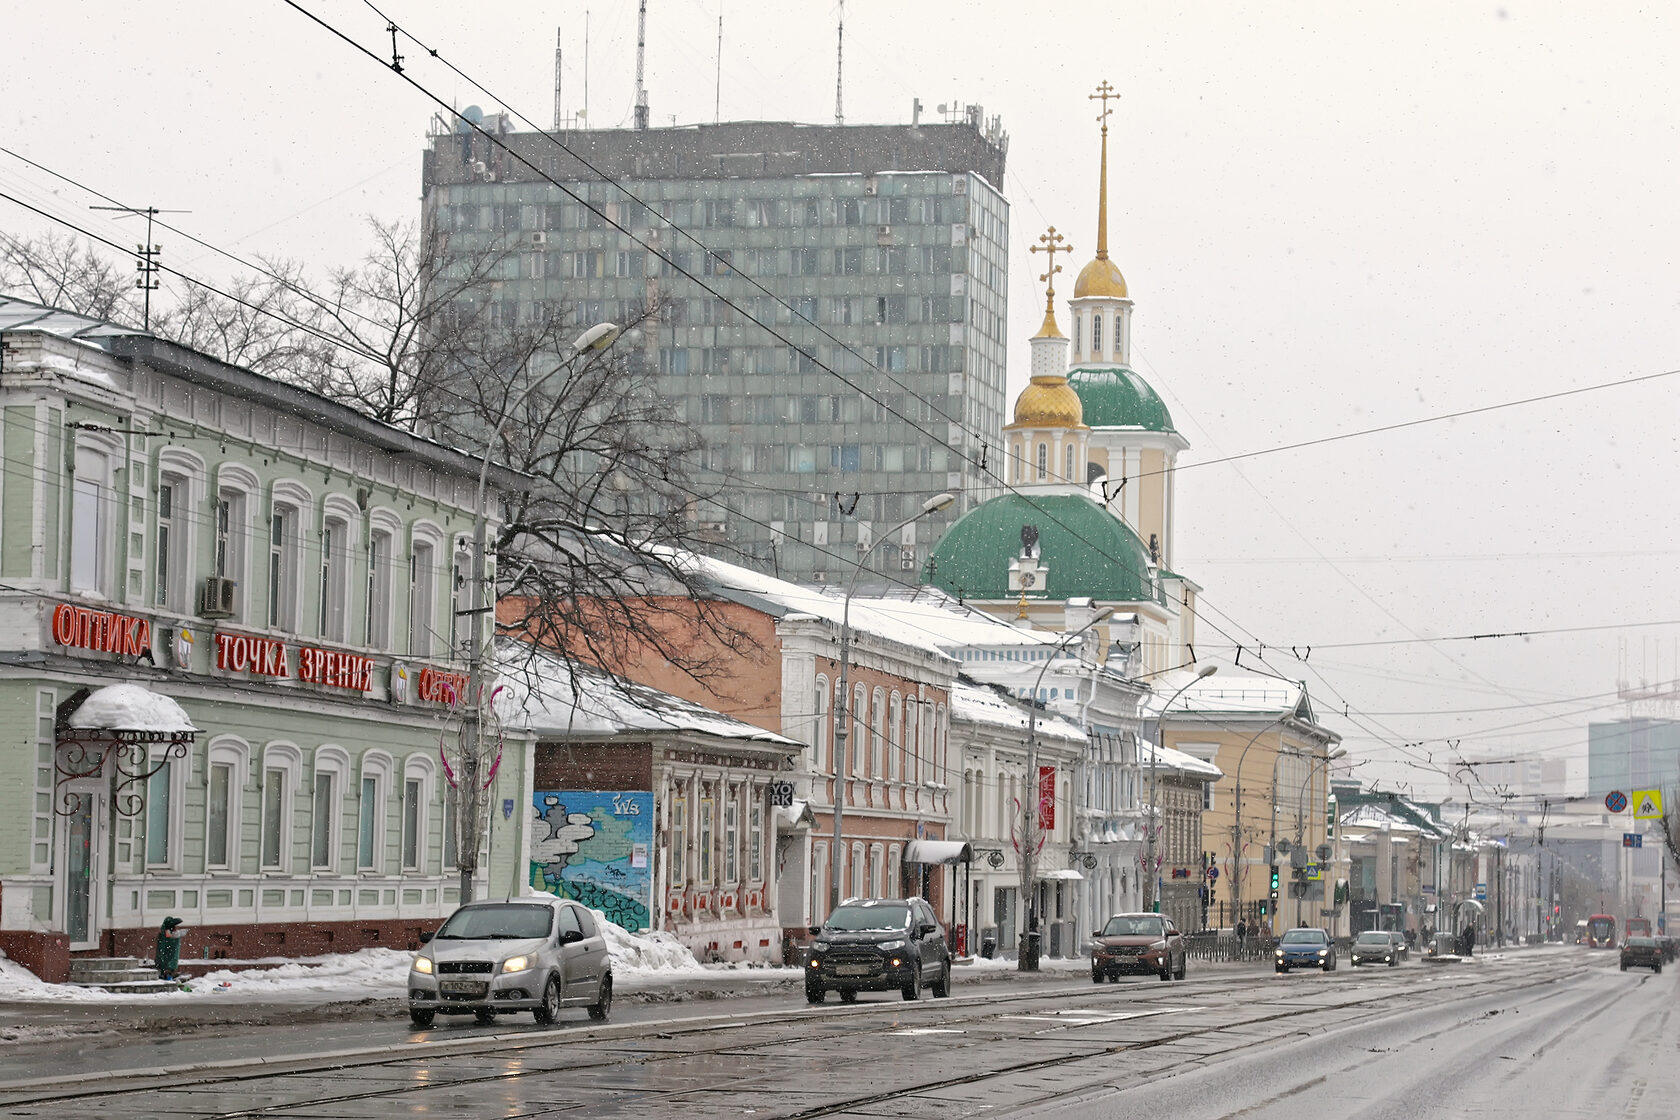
1642 942
851 919
1133 925
1375 939
1304 937
499 922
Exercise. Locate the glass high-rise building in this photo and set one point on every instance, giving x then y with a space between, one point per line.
878 252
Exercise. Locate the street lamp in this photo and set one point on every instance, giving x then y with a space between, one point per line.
842 727
596 338
1301 807
1027 960
1154 827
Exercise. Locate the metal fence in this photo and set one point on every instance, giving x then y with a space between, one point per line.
1220 946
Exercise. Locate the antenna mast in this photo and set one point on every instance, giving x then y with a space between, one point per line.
557 111
641 50
839 64
145 257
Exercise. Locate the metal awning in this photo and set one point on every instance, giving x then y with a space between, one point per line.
938 851
1061 873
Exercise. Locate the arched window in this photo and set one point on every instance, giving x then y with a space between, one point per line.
224 780
180 485
332 768
1067 469
895 736
877 734
1096 334
1043 461
418 776
289 506
819 727
859 745
281 765
371 793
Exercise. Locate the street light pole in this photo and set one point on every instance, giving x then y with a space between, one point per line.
842 698
1301 806
598 337
1154 826
1237 868
1026 959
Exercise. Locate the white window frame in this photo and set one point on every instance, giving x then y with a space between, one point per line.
230 546
878 734
755 836
340 529
377 767
704 870
286 760
416 768
385 530
174 775
819 733
91 570
235 754
895 737
332 763
461 599
679 833
291 503
184 473
424 551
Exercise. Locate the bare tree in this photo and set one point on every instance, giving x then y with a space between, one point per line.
60 271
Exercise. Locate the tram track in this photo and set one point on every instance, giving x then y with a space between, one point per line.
990 1014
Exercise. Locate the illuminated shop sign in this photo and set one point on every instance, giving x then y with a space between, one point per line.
102 631
334 669
440 687
246 653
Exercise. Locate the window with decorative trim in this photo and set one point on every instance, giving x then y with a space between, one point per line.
370 810
381 561
755 837
418 776
679 833
422 596
877 734
227 760
332 770
819 729
337 535
164 797
281 765
732 837
93 517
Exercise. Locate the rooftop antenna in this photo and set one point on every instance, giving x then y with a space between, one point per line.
145 257
641 50
839 64
557 110
717 93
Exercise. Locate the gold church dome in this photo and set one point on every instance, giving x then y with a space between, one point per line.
1100 278
1048 402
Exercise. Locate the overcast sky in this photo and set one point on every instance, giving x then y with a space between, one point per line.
1332 217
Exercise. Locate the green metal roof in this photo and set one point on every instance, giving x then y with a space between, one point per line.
1088 551
1116 397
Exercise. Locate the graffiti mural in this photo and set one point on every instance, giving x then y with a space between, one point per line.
596 847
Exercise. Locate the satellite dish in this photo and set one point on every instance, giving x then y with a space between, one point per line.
474 114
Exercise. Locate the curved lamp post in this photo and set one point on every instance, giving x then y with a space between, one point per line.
1154 826
842 705
596 338
1027 959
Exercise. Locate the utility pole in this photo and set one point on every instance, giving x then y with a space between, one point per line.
146 256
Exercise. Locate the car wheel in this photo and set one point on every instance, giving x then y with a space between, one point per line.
1166 970
602 1007
1392 961
847 995
1282 968
1328 965
485 1017
1354 963
912 990
420 1017
1624 966
813 993
1096 976
1657 967
550 1009
942 986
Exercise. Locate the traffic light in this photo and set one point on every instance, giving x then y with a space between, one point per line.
1274 880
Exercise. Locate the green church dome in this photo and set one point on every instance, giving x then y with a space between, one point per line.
1087 550
1118 398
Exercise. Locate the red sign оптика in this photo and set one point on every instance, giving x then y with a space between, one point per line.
104 631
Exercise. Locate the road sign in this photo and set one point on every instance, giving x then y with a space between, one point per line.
1647 804
1481 892
1632 840
1314 871
781 795
1616 801
1213 873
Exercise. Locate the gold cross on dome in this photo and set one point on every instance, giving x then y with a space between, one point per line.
1050 244
1105 93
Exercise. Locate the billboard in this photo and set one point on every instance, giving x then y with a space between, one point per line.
596 846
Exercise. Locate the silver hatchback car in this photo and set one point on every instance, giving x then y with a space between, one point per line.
524 954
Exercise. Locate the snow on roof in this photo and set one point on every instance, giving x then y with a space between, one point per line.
1187 764
130 707
982 705
1226 693
1376 816
549 696
931 622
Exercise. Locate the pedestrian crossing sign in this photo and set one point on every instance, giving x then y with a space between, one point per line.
1647 804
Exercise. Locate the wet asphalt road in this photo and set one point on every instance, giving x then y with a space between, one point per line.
1549 1033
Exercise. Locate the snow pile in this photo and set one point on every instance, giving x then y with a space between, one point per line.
364 974
638 953
130 707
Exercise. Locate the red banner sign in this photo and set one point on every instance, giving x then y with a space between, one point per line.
440 687
334 669
242 653
1046 798
102 631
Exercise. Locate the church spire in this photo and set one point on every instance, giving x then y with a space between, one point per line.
1105 93
1050 244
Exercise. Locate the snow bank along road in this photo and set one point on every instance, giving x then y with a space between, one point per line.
1526 1035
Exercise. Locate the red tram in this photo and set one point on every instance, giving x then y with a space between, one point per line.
1601 931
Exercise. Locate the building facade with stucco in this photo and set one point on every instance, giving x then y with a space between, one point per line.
279 569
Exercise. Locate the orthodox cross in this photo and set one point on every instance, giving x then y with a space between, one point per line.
1050 243
1105 93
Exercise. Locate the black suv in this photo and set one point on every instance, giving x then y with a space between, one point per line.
876 945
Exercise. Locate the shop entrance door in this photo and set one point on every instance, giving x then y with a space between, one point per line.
81 864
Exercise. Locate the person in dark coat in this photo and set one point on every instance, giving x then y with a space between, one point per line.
169 948
1468 941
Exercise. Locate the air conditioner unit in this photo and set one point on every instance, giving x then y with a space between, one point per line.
216 599
539 238
819 577
907 565
907 555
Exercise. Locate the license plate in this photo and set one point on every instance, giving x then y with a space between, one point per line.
1131 952
853 970
466 987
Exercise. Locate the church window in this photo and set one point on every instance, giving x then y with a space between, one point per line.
1096 335
1067 472
1043 461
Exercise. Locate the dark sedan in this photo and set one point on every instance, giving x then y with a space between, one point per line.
1305 948
1374 947
1642 952
1138 943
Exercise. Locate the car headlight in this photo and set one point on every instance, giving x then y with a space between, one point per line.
1324 952
1158 946
516 964
423 965
819 946
1279 952
889 946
